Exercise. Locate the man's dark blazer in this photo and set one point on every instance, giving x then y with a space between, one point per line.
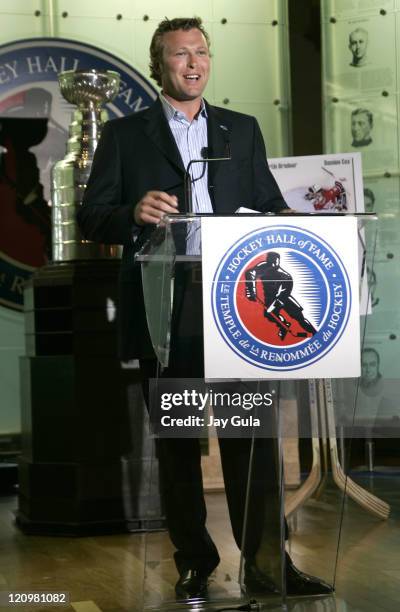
137 154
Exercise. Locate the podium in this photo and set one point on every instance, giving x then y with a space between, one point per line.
183 395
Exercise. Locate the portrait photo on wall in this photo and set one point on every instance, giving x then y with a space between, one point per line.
360 56
384 287
368 125
320 183
362 123
382 194
376 411
371 383
378 391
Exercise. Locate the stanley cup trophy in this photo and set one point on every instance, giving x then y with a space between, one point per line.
89 90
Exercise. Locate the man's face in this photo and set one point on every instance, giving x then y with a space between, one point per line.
360 127
369 366
185 64
358 41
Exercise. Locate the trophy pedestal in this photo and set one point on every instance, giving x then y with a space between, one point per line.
78 408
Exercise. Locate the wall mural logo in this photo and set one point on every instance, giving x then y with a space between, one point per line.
281 298
34 120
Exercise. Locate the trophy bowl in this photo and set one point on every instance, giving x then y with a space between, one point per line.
89 87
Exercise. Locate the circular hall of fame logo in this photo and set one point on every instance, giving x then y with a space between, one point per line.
281 298
34 122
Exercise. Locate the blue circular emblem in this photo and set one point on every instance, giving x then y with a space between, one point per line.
281 298
33 133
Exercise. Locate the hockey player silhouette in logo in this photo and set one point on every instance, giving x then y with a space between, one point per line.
278 300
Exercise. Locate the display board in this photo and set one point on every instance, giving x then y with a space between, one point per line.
361 113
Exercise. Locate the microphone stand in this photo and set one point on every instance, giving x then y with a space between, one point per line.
187 181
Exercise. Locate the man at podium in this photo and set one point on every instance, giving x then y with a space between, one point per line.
138 176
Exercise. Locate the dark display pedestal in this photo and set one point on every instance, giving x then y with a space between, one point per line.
81 424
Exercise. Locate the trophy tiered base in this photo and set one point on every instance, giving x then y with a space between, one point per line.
84 457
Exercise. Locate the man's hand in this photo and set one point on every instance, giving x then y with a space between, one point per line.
153 206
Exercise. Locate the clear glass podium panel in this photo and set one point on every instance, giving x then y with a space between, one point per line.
367 428
271 494
157 261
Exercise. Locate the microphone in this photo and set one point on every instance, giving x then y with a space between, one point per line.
227 142
206 158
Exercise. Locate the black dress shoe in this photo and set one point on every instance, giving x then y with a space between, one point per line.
299 583
192 584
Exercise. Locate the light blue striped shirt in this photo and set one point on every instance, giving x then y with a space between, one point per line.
191 139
